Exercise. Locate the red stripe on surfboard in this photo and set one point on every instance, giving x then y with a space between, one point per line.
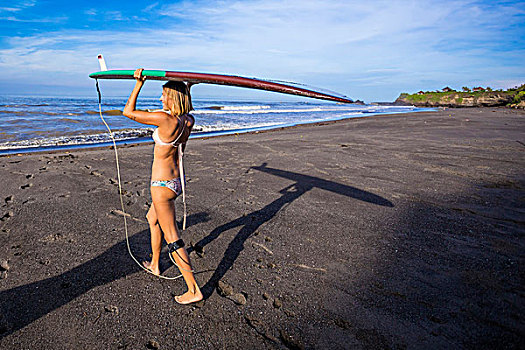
250 83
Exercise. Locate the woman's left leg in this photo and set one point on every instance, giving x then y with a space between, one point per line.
165 210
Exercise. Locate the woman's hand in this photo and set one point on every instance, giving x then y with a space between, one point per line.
138 75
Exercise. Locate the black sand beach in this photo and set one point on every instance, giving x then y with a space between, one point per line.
401 231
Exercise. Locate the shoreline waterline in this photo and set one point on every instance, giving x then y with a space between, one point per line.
196 135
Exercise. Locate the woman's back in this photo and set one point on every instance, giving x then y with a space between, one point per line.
176 130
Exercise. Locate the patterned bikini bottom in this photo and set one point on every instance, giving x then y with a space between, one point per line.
174 185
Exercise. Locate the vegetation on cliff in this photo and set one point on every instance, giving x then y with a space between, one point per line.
476 97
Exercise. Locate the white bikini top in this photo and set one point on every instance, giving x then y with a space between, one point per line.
157 139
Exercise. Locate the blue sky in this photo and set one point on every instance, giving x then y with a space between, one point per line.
369 50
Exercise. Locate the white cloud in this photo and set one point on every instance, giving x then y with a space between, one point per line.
9 9
16 6
35 20
114 16
150 7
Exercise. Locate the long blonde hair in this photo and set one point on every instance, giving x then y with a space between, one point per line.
178 98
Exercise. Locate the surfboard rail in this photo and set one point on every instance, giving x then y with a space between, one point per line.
220 79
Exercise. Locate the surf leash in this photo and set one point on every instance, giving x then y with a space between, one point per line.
122 201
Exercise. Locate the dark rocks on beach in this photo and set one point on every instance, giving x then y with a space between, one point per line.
23 187
4 265
29 200
67 156
153 344
224 289
266 296
111 308
289 313
277 303
9 199
238 298
7 215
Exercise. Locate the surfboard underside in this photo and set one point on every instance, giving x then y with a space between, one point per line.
219 79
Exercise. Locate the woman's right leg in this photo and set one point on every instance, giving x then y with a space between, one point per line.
156 240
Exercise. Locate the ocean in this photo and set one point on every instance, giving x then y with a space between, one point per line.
29 124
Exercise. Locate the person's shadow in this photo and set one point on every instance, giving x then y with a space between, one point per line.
24 304
20 306
251 222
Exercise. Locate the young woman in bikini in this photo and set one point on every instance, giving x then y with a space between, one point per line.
174 126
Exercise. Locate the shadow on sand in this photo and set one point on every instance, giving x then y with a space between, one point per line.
251 222
25 304
20 306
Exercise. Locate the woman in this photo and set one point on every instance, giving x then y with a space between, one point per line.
174 126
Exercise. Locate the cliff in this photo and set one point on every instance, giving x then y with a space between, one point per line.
510 98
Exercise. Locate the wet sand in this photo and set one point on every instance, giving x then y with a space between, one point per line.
401 231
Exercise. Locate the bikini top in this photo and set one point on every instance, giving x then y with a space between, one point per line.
158 141
174 143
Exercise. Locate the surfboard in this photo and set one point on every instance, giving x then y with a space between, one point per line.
220 79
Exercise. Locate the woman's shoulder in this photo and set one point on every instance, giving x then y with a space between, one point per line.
190 120
161 113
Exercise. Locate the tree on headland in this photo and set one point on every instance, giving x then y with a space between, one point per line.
465 88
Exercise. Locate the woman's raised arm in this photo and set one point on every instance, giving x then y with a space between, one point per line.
150 118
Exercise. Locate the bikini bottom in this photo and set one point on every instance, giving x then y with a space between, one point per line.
174 185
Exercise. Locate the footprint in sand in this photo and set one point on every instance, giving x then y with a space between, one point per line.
9 199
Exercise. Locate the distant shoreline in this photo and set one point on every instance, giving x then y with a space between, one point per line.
477 97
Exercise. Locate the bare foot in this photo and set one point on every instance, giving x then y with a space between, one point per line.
189 297
153 269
